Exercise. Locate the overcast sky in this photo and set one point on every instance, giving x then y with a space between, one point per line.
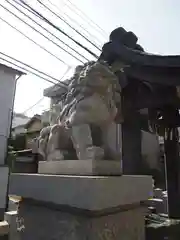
155 22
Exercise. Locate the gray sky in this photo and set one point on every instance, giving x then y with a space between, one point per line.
155 22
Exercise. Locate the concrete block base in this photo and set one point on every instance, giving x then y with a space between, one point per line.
80 167
4 175
82 207
49 224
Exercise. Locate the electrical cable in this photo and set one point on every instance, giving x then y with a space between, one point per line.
34 105
74 21
54 84
30 39
34 69
60 30
40 100
44 27
44 96
40 33
69 25
103 33
61 84
22 4
30 108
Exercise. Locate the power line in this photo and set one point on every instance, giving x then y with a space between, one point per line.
91 22
21 68
49 33
74 21
40 100
60 30
63 85
38 31
25 70
69 25
25 7
44 27
34 69
30 39
30 108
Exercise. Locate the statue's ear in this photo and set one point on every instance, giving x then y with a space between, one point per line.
130 40
117 34
139 48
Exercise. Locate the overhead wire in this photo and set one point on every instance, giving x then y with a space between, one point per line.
60 30
52 34
40 100
26 7
57 28
34 105
25 70
69 25
74 21
33 41
54 84
91 22
29 9
60 83
30 39
38 31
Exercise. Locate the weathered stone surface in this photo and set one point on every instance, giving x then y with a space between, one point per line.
81 207
47 224
85 192
4 172
90 99
81 167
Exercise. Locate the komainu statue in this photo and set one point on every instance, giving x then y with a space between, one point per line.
88 110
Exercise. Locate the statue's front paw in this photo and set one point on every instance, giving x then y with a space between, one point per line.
95 153
55 156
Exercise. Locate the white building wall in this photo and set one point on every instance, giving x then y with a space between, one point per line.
7 91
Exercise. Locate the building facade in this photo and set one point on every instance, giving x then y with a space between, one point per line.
8 79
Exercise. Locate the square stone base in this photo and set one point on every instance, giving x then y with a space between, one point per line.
4 176
81 167
92 193
50 224
82 207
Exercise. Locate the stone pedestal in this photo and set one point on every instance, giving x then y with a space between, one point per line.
4 174
80 167
82 207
